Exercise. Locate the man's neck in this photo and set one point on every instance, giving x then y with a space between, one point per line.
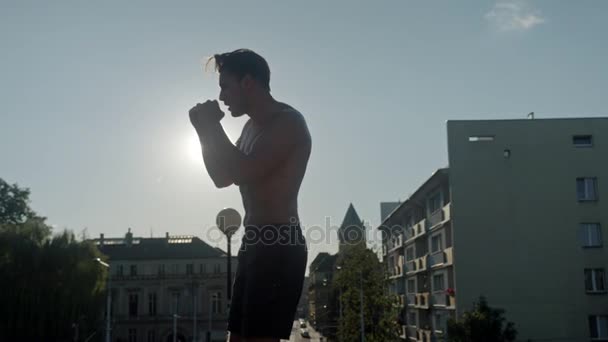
263 109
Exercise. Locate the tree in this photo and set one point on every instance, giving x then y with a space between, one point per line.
14 204
361 269
482 324
50 284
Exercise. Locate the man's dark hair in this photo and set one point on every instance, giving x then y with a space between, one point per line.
243 62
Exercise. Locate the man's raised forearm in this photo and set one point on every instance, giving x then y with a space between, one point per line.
221 157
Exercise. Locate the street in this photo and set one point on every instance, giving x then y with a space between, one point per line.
297 337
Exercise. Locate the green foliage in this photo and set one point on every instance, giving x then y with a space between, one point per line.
361 268
14 204
48 282
482 324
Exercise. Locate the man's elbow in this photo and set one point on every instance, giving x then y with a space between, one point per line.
222 183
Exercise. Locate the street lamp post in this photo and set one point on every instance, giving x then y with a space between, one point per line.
108 298
361 305
228 221
210 326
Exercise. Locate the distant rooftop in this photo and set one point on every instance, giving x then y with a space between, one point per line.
168 247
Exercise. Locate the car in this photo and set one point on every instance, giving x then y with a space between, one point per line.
304 332
302 323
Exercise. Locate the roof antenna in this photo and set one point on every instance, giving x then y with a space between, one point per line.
531 115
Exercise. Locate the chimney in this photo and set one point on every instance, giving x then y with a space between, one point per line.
129 237
167 235
101 239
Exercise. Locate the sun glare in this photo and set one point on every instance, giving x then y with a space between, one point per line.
192 148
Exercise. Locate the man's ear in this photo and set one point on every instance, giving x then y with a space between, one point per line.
247 82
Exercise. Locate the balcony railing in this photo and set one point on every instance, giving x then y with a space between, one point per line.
451 302
396 272
423 335
437 259
417 230
440 299
443 258
449 256
440 216
421 264
411 332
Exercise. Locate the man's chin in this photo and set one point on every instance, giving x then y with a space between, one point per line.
236 114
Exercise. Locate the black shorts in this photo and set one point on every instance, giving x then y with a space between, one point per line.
268 282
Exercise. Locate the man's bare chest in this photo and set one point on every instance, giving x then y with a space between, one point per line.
251 134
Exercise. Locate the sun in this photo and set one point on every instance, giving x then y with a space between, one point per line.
192 148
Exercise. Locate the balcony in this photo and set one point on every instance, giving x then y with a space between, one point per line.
403 333
449 256
443 258
396 243
421 264
451 302
416 265
423 335
411 332
396 272
440 299
439 217
422 300
437 259
417 230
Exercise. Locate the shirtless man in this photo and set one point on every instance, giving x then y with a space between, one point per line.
268 164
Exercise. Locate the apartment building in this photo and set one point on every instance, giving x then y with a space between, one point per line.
167 284
518 217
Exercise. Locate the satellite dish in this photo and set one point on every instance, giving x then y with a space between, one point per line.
228 220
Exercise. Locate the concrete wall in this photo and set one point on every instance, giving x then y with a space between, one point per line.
516 220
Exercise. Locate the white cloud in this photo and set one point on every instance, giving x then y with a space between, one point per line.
513 16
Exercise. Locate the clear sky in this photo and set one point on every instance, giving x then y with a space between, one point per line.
94 96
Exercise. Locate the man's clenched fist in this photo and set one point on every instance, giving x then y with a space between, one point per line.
204 114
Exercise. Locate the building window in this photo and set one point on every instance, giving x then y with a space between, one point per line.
586 189
411 286
151 336
217 268
216 302
174 268
133 301
203 268
132 335
175 302
133 270
189 269
409 254
438 322
435 202
438 283
582 140
152 304
119 271
598 327
161 269
436 244
591 235
594 280
411 319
